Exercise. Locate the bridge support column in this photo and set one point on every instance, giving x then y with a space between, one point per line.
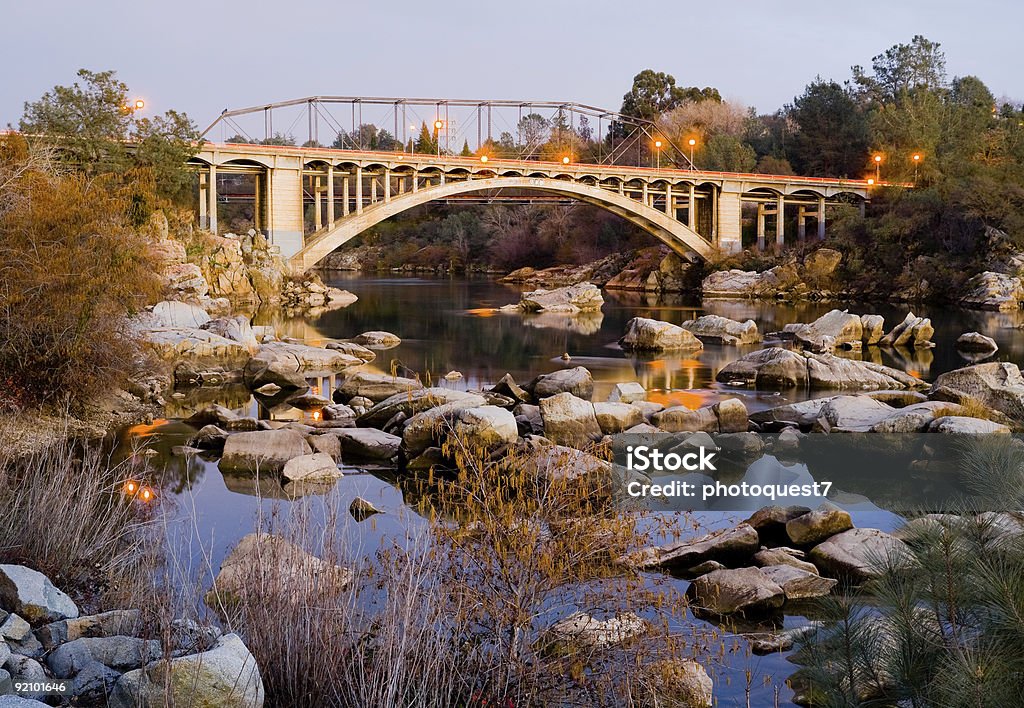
359 190
760 227
318 206
801 223
691 209
780 221
285 191
415 183
821 218
344 195
387 185
729 225
330 196
373 188
203 199
211 195
643 195
668 201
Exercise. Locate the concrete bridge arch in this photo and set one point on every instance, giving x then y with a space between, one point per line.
675 234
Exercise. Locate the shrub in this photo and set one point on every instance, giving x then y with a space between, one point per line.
72 270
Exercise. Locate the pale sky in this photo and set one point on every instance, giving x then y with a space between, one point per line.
202 57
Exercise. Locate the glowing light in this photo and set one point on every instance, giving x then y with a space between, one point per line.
657 144
917 157
438 124
871 181
484 158
565 160
130 487
316 415
878 158
139 104
146 494
691 142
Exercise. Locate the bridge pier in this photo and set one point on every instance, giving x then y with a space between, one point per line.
780 222
760 226
285 205
728 229
821 218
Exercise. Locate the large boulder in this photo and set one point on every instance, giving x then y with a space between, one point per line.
821 263
872 329
569 420
775 367
367 444
185 280
409 403
627 392
744 591
714 329
286 365
578 381
799 584
117 652
915 418
561 463
643 334
741 283
725 545
854 413
262 450
831 330
582 297
617 417
317 467
976 342
859 554
173 314
198 347
682 684
377 387
996 386
815 526
963 425
993 291
913 332
263 557
728 416
31 595
237 329
225 676
483 426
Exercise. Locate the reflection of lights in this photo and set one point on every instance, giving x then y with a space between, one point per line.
146 494
316 415
130 487
483 312
143 430
915 373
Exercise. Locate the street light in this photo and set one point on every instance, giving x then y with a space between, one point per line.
437 130
565 160
657 147
692 142
871 181
484 158
139 104
917 161
878 167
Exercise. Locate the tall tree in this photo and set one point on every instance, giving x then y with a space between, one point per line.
655 92
832 135
425 143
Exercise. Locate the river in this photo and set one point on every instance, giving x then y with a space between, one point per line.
452 324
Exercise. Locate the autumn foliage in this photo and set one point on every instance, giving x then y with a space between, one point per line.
72 271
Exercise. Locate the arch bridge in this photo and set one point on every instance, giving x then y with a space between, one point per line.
310 200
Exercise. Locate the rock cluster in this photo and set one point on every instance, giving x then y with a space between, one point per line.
106 659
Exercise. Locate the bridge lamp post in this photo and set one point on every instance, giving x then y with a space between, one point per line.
692 142
657 149
438 124
484 158
917 161
878 168
565 160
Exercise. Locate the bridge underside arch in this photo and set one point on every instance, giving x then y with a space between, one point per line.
669 231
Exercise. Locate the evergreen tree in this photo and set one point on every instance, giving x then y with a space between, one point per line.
426 144
466 152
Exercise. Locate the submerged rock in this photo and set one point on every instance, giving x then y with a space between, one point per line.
976 342
725 545
582 630
377 387
262 450
377 339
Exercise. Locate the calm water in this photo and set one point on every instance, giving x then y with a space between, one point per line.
452 325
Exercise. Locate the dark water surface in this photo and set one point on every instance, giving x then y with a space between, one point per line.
453 325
